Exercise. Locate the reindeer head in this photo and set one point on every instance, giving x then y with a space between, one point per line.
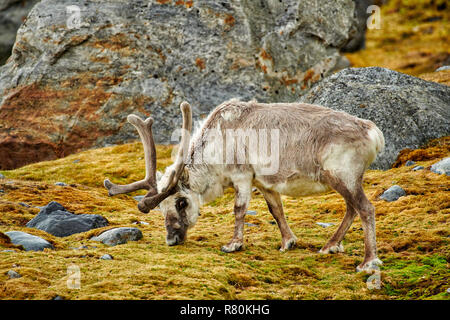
179 204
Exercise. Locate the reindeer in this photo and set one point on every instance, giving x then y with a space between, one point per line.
318 149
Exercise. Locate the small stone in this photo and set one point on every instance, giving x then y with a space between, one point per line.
252 212
106 257
61 184
2 176
448 290
8 250
23 204
13 274
325 224
418 168
442 167
58 298
409 163
113 237
138 198
443 68
393 193
76 161
250 224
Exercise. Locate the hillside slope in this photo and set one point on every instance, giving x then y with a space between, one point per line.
413 238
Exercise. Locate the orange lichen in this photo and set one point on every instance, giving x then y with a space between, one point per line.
229 20
200 63
288 81
265 55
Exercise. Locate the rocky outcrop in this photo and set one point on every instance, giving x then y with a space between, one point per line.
78 68
410 111
12 14
56 220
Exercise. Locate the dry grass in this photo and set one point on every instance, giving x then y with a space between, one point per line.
413 239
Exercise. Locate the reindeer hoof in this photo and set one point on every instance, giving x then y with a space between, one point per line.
108 185
288 245
332 249
232 247
370 266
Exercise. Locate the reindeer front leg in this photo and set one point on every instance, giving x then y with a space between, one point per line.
243 193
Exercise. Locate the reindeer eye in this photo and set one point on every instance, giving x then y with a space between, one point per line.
181 203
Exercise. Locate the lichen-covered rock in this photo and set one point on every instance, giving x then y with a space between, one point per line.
78 68
117 236
408 110
56 220
12 14
28 241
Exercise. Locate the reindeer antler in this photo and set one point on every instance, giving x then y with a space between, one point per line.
150 201
144 128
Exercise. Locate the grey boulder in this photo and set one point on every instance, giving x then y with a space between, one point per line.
56 220
117 236
28 242
408 110
115 57
393 193
442 167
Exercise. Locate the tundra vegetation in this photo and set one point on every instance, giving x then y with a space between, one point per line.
412 237
412 233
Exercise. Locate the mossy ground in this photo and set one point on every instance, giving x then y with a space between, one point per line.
413 239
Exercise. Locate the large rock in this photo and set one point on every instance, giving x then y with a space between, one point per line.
28 241
12 14
410 111
56 220
78 68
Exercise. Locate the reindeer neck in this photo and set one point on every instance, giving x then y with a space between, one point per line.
207 180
